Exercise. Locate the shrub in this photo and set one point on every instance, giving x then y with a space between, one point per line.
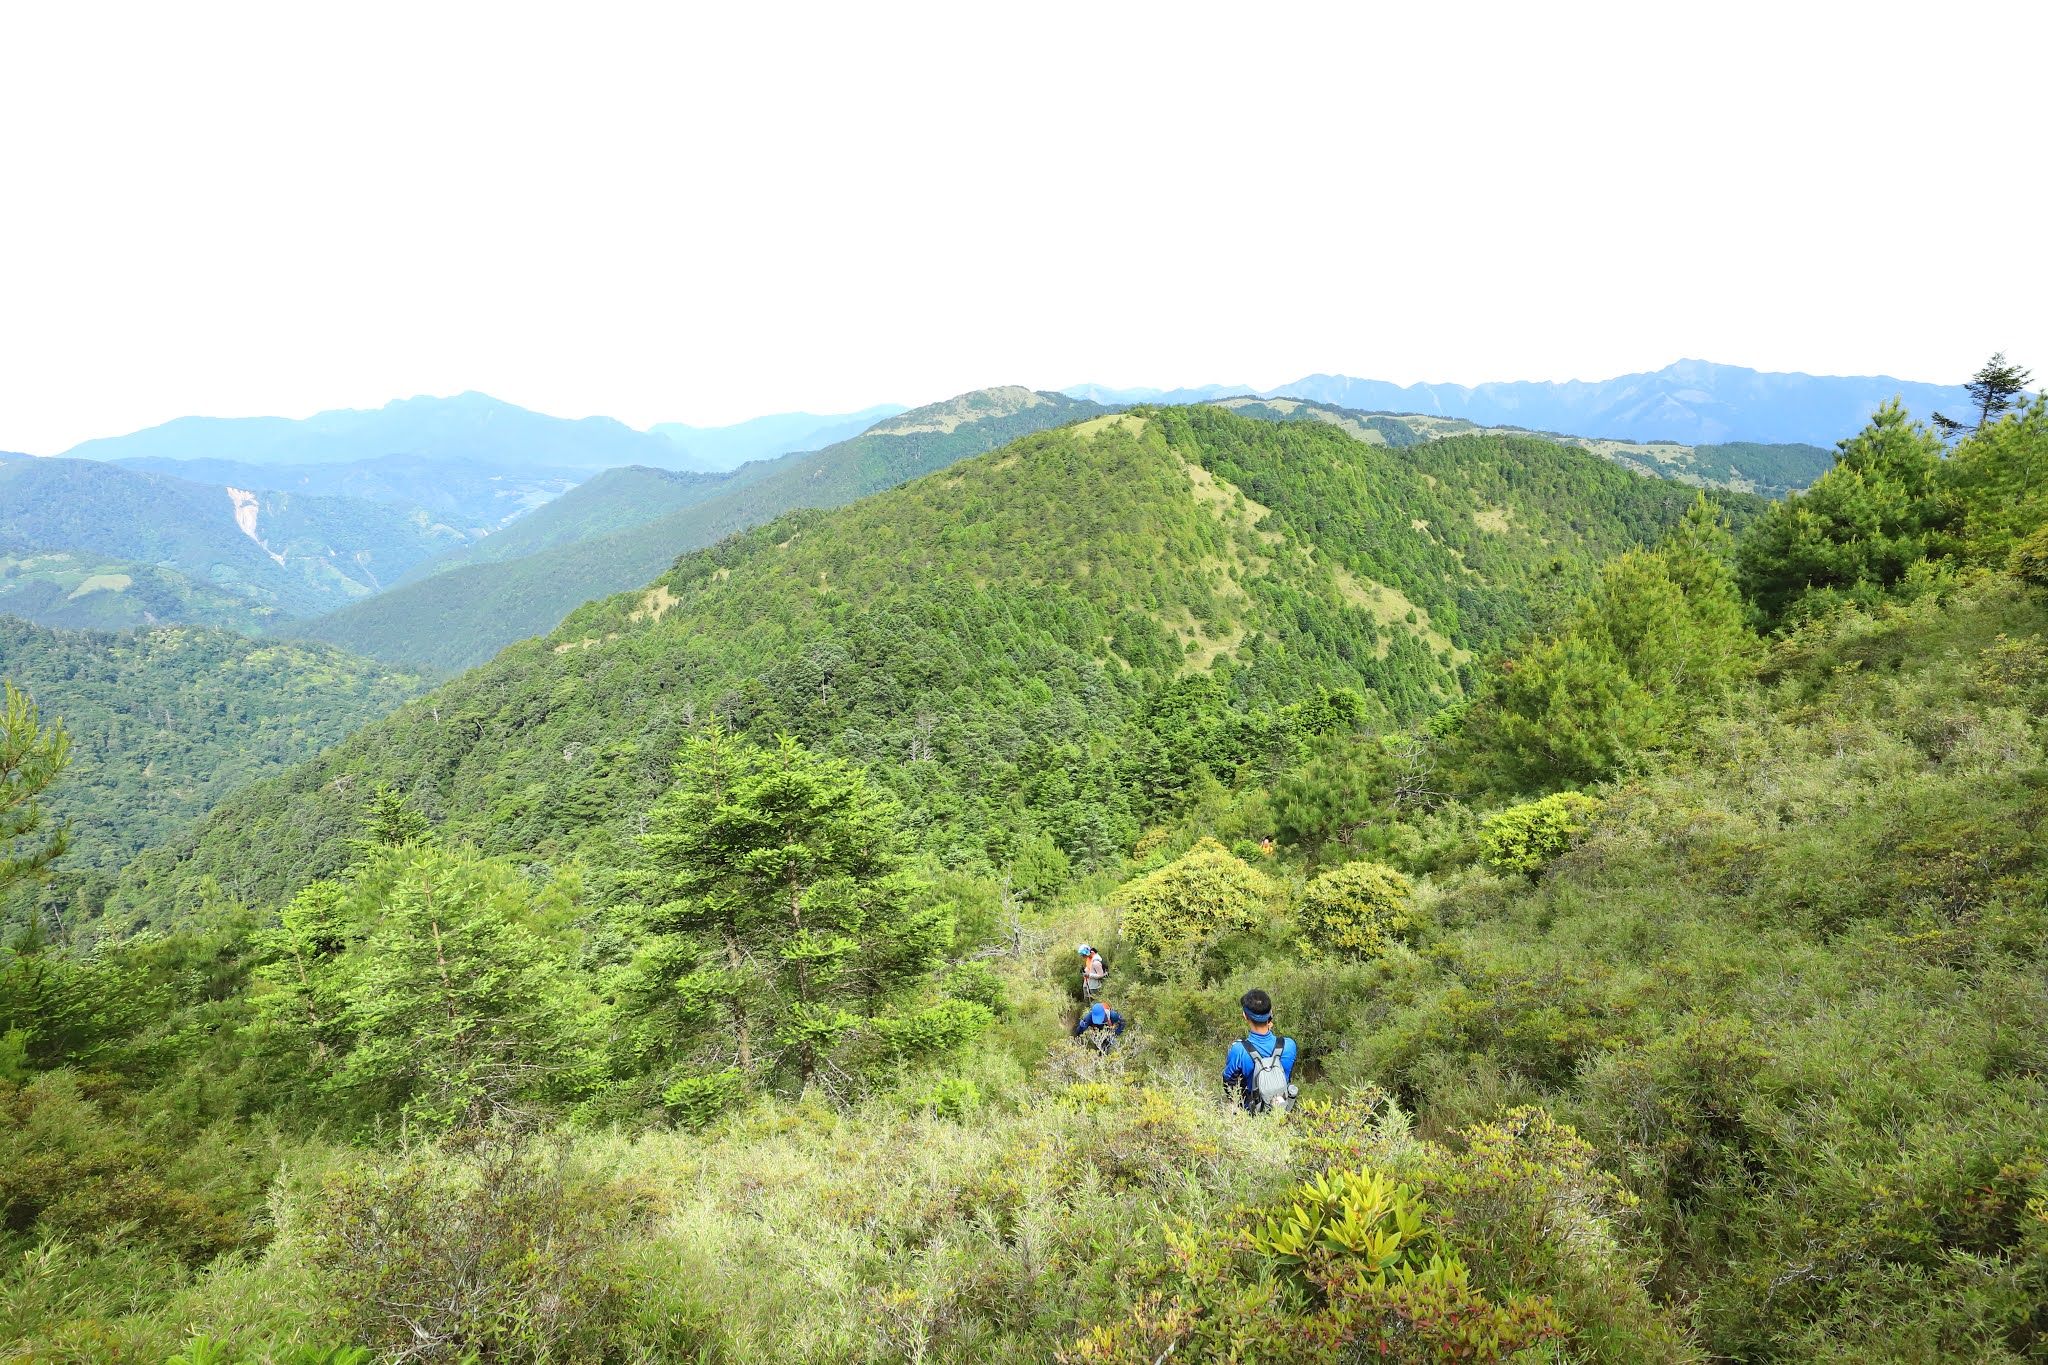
69 1170
1170 915
507 1251
1528 837
976 981
1355 911
1367 1277
951 1097
696 1101
2029 558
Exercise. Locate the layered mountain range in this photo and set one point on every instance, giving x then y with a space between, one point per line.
1691 402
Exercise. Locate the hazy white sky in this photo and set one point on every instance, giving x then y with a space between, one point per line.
704 212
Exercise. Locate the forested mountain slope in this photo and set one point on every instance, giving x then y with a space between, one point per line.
461 618
297 553
470 495
75 590
616 500
165 723
1047 642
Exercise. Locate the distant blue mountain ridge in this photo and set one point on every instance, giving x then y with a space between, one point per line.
1693 402
763 438
474 427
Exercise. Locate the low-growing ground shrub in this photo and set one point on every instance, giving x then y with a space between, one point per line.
1419 1253
70 1170
504 1249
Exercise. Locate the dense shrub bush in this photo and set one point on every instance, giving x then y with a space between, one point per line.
1172 914
1355 911
69 1170
1418 1253
1529 837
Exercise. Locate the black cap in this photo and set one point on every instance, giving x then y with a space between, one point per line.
1257 1004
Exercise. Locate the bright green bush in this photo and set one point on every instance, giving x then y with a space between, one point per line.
2029 558
1529 837
1369 1275
1171 915
1355 911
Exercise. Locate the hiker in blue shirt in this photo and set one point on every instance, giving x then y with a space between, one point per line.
1260 1066
1102 1024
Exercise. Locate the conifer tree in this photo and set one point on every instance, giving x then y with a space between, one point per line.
32 757
425 985
1858 528
1661 636
1998 483
389 821
1994 389
778 917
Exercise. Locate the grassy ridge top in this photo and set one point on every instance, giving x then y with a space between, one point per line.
1005 641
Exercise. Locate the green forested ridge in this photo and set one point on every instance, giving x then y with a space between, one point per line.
461 618
1769 468
1675 995
1745 465
1022 642
164 723
616 500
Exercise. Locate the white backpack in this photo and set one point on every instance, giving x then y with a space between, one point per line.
1269 1087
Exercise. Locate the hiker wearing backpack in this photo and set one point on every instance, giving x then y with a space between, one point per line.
1101 1025
1260 1066
1093 969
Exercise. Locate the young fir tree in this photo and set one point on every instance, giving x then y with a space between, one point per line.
389 821
1661 636
779 924
429 984
32 757
1997 482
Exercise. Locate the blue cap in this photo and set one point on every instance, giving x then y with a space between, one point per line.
1097 1014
